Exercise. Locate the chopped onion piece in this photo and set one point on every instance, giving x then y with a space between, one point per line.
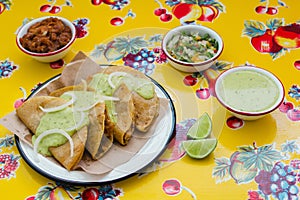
84 84
49 132
112 75
75 127
57 108
109 98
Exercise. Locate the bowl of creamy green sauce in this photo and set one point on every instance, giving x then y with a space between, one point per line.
192 48
249 92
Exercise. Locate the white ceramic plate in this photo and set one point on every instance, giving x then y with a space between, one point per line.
154 147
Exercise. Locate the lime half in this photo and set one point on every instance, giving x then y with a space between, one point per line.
201 128
199 148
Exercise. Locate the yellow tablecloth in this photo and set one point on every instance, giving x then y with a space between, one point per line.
253 159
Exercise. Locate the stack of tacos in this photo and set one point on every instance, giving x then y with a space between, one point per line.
103 109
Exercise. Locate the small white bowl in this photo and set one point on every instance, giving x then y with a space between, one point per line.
188 66
249 92
51 56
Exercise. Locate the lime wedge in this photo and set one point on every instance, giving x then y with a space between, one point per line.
201 128
199 148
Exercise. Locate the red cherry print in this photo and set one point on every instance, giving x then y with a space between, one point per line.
272 11
159 11
57 64
90 194
297 64
190 80
234 122
96 2
55 9
18 103
45 8
116 21
294 114
286 106
203 93
261 9
172 187
165 17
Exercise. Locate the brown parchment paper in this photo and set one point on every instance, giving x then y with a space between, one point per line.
80 68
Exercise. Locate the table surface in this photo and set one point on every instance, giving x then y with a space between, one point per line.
253 159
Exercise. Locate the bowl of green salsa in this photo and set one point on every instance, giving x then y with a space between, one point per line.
249 92
192 48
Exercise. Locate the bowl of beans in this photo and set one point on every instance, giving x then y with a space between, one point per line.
192 48
46 39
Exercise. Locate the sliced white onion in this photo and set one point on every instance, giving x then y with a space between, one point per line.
60 107
87 107
141 85
103 98
112 75
24 92
75 127
84 84
49 132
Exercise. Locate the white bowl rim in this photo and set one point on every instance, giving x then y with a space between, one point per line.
193 26
257 69
27 25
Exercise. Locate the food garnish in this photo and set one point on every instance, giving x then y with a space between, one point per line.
192 47
49 132
60 107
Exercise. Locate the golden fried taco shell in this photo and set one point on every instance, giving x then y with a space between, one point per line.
123 128
98 143
62 153
30 113
146 109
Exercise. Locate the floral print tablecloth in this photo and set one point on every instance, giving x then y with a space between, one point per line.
255 160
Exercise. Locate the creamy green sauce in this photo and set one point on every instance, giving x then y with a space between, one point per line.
64 119
249 91
84 99
111 111
141 86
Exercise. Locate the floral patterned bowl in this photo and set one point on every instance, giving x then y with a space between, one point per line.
249 92
194 47
50 56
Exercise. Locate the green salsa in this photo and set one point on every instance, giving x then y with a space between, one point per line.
141 86
63 119
248 90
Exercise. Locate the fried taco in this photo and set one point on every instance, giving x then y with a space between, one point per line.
53 122
62 152
120 115
145 99
98 141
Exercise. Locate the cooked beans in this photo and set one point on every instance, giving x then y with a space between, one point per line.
46 36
